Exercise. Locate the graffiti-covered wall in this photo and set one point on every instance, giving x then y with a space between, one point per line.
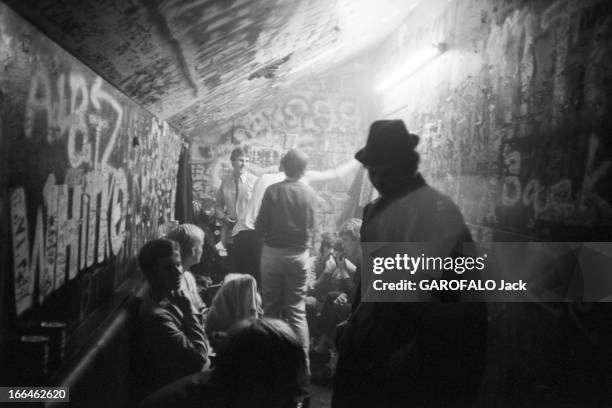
514 116
88 174
327 117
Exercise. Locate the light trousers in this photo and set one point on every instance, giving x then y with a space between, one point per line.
283 288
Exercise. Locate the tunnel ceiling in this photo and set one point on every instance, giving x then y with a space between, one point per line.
193 62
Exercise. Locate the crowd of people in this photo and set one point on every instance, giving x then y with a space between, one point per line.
280 305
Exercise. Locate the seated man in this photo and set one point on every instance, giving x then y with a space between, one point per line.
173 340
237 299
191 239
336 286
261 364
322 264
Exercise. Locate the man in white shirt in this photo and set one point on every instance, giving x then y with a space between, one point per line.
232 198
247 243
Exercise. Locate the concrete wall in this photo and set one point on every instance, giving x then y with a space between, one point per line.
514 122
85 175
515 117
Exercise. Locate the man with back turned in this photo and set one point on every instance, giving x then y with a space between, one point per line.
286 222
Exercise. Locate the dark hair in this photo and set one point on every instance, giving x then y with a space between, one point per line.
351 228
153 251
261 358
239 151
294 163
329 240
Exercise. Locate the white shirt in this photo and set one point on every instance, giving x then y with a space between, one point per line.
234 206
246 220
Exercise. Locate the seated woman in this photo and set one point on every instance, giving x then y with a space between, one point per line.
237 299
261 364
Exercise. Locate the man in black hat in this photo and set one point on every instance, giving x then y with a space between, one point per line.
405 353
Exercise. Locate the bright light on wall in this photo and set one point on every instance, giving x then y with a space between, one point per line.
416 62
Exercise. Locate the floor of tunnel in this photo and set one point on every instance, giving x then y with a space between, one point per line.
320 396
322 371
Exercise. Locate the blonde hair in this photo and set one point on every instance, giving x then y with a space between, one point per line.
187 236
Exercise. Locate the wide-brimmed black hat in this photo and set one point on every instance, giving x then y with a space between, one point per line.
388 143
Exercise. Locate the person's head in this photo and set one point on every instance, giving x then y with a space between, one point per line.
329 241
261 362
160 262
350 236
240 160
390 157
294 163
190 239
236 299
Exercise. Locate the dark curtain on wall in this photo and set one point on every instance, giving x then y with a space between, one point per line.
183 211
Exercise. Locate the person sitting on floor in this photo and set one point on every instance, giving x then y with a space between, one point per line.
261 364
237 299
338 283
322 263
173 340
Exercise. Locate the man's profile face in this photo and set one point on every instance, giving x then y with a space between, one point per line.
194 256
169 272
197 250
240 164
